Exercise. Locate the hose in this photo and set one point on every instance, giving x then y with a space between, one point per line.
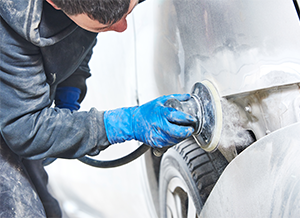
118 162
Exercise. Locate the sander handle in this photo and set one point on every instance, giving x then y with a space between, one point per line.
184 106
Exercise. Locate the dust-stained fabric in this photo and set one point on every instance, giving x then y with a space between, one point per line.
41 49
17 194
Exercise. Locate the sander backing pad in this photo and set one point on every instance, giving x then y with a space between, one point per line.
209 115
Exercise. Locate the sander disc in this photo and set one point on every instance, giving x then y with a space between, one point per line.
209 129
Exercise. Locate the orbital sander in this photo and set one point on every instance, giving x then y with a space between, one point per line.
205 105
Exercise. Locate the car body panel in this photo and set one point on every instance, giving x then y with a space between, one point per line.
238 45
263 181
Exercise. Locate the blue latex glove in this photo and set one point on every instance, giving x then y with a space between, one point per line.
67 97
152 123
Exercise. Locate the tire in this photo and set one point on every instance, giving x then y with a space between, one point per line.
187 176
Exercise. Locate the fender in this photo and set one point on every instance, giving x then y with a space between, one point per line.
263 181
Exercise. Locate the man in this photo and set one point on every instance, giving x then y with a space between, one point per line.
45 49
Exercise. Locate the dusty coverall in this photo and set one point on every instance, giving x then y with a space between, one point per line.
40 49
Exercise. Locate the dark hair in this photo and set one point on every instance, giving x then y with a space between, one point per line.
104 11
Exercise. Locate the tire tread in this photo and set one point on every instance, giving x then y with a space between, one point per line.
204 167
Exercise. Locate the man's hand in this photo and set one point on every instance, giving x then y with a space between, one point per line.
152 123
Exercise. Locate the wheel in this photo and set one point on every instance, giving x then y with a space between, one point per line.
187 176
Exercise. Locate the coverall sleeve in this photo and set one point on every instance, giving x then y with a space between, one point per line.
78 78
29 126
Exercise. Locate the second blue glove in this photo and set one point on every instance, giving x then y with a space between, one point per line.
67 97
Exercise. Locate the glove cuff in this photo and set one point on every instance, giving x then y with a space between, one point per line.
118 124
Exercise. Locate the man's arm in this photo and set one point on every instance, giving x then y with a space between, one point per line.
71 92
78 78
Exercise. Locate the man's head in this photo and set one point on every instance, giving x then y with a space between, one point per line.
97 15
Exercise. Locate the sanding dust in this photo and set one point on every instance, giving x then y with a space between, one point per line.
233 136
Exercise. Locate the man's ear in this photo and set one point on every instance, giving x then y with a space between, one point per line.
53 5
